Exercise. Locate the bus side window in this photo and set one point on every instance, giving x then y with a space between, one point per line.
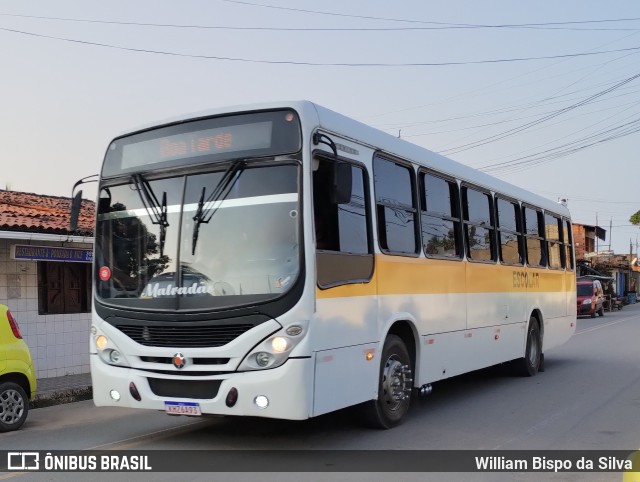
568 242
553 235
534 237
478 224
440 214
343 243
509 232
395 207
325 211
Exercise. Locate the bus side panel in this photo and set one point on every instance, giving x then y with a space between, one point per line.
558 331
548 291
345 321
432 291
494 296
343 330
450 354
345 377
570 282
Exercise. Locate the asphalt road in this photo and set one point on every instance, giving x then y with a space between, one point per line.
587 399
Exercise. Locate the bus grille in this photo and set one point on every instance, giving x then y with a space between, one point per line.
184 336
199 389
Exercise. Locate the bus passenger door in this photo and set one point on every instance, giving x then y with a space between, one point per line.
345 322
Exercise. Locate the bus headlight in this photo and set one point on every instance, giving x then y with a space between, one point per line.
587 301
114 356
101 342
279 344
109 352
263 359
275 350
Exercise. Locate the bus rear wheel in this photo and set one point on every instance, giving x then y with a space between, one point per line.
395 386
531 363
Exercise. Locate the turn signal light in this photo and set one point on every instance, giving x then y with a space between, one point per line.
232 397
133 390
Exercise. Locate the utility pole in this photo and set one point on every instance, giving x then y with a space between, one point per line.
597 248
630 255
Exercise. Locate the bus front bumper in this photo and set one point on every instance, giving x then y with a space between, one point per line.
288 390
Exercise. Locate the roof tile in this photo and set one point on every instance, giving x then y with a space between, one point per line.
38 213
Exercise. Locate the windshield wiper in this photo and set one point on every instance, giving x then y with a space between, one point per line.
156 211
219 193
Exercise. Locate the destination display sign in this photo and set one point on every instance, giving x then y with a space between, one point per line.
205 141
198 143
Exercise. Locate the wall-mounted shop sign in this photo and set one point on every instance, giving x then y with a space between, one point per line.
50 253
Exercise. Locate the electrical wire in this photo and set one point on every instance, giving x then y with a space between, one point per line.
526 162
519 129
440 25
313 64
451 25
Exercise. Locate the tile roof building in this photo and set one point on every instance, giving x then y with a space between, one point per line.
45 278
27 212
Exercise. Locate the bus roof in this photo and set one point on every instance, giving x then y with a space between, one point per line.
357 131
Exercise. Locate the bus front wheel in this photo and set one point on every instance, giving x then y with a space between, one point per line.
395 386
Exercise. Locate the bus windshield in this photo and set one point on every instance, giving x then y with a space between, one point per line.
204 240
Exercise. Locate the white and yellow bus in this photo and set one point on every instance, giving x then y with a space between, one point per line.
285 261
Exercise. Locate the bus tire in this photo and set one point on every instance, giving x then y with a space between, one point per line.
395 386
14 406
530 364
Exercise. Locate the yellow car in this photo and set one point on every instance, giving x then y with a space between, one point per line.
17 376
633 475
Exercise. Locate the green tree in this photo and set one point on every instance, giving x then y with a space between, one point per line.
635 218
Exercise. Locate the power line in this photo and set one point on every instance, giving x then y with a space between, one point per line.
313 64
440 25
626 108
459 97
449 25
517 130
526 162
505 121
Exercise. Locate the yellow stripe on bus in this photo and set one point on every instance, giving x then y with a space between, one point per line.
399 275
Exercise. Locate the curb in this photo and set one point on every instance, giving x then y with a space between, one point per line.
60 397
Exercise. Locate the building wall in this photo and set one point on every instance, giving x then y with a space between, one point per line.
58 343
584 240
579 240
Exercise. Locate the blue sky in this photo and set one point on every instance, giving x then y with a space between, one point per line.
63 100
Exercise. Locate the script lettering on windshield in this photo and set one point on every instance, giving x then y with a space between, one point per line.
155 290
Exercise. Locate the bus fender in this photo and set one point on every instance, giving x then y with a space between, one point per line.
403 324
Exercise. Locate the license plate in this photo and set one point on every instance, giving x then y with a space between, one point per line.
182 408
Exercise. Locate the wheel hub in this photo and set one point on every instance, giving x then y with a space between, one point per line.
11 406
396 382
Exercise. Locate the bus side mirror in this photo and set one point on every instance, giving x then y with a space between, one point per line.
341 184
75 211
